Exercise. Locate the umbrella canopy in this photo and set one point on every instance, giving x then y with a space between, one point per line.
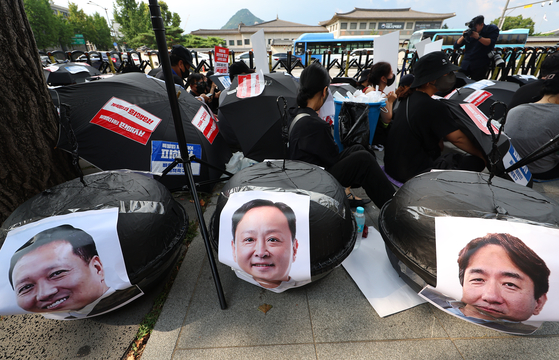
69 73
254 123
483 93
342 88
125 122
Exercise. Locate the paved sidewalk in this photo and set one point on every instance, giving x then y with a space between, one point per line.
327 319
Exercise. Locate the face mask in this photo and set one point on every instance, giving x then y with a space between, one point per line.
201 87
390 81
446 83
185 73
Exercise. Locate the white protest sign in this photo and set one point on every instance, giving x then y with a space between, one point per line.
433 46
258 42
221 60
386 49
420 47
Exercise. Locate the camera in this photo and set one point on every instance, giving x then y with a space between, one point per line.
471 28
493 55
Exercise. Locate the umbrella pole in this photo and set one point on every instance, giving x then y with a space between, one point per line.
159 30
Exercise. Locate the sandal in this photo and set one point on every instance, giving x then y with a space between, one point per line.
355 201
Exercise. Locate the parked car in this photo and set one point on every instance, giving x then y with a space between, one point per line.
283 57
201 56
245 57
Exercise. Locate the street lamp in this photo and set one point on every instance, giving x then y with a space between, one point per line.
502 19
111 24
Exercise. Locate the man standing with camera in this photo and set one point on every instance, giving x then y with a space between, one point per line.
480 41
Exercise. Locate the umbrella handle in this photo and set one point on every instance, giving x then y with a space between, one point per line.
284 127
494 154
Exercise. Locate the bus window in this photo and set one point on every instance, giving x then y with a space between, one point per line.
300 48
414 39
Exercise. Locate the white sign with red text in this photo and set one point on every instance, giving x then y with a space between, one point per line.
204 122
478 118
478 97
250 85
221 60
126 119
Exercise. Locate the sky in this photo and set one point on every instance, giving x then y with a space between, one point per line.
311 12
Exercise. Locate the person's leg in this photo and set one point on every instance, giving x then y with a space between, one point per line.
359 168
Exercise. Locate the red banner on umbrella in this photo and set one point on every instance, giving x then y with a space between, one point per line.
126 119
250 85
478 118
478 97
204 122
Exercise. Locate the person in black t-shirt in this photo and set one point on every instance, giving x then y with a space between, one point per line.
311 140
415 142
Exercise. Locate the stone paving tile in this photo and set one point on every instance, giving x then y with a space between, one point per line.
340 312
242 324
517 348
276 352
393 350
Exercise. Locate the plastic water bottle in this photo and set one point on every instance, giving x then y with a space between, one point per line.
360 220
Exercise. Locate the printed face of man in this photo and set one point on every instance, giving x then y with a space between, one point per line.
52 278
495 288
263 247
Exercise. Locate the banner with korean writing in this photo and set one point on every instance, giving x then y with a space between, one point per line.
204 122
221 60
164 152
126 119
250 85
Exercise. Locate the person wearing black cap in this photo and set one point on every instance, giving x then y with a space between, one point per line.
239 68
480 40
363 80
181 63
415 142
531 92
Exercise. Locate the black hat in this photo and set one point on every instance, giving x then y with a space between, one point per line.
239 67
364 76
406 80
183 54
431 67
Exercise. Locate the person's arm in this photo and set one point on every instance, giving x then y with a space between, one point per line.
485 41
461 141
387 116
459 43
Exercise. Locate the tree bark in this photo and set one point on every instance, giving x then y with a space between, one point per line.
29 162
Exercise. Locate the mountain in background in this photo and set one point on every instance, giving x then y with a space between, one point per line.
243 16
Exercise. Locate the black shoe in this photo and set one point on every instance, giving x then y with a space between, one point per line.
353 202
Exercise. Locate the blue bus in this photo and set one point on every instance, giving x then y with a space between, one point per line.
507 38
318 43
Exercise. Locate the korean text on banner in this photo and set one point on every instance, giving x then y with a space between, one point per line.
250 85
126 119
221 60
163 153
478 118
204 122
478 97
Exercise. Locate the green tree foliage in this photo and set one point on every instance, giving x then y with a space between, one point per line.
135 23
516 22
194 41
43 22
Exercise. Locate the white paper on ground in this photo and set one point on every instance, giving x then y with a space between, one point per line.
371 270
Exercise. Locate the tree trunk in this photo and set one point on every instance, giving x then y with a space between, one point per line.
29 162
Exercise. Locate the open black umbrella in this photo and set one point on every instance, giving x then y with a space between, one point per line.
255 122
485 92
125 122
69 73
342 88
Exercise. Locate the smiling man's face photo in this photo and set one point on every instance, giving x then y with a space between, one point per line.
264 244
51 277
502 279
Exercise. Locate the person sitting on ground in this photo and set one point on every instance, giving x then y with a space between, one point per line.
311 140
415 142
363 81
198 87
239 68
531 92
531 125
212 91
181 63
381 77
403 91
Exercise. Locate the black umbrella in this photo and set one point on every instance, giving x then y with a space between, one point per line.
112 120
216 78
69 73
254 123
342 88
483 96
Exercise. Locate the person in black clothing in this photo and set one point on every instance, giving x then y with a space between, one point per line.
531 92
181 63
415 142
479 43
311 140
